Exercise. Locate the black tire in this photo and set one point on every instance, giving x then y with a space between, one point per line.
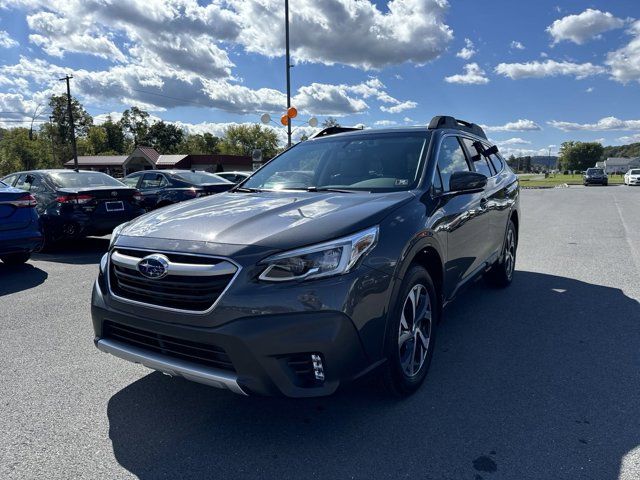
402 357
501 273
15 258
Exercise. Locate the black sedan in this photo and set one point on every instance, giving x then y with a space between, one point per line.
76 204
595 176
165 187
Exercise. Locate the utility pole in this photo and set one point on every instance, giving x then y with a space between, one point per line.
286 34
53 150
71 124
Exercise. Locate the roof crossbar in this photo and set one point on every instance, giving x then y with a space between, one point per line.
443 121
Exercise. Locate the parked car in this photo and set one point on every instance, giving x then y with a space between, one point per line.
298 288
234 177
632 177
162 188
20 233
77 204
595 176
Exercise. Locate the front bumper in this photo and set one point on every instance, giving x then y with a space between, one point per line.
596 181
261 349
632 181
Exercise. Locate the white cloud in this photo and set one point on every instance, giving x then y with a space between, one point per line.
604 124
400 107
517 126
514 141
474 75
589 90
548 68
467 51
353 33
385 123
625 62
634 138
408 120
6 41
515 45
19 108
584 26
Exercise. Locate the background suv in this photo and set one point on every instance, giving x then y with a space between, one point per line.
595 176
293 285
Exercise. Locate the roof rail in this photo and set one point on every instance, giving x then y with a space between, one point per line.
443 121
333 130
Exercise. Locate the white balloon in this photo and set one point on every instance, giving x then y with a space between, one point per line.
265 118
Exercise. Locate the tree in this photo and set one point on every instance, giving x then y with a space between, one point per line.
164 137
17 151
330 122
135 121
205 143
243 139
580 155
115 141
61 133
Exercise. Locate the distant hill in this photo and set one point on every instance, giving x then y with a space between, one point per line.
631 150
544 161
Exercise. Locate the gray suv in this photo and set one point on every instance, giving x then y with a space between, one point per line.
332 261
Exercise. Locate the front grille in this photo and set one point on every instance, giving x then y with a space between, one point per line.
181 292
195 352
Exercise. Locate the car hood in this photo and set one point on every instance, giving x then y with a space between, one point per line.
272 219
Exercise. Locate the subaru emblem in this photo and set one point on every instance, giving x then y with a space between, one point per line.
154 266
114 194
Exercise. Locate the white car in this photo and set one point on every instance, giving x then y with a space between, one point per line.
632 177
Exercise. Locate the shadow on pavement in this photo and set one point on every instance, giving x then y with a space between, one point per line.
19 277
79 251
536 381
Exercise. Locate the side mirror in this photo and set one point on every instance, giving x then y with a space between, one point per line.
467 182
493 150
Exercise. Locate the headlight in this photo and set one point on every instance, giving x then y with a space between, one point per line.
331 258
116 233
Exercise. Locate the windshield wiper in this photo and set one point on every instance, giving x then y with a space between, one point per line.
247 190
330 189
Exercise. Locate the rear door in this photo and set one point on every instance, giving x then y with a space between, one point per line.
465 221
150 186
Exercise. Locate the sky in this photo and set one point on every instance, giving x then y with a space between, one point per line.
533 73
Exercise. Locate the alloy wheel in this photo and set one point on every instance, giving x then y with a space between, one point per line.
510 253
414 333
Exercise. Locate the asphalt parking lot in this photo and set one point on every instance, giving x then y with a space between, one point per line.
538 381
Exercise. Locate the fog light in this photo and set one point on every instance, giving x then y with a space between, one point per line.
318 369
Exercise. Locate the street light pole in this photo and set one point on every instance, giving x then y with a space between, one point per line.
286 33
71 124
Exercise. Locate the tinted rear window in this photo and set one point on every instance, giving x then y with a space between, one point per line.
84 180
595 171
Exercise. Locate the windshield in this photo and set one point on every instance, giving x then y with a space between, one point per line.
376 162
200 178
84 180
634 172
3 185
595 171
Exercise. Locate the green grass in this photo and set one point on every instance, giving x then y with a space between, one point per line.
533 180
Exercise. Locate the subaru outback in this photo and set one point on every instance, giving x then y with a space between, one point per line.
332 261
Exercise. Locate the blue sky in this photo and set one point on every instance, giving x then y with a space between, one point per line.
538 73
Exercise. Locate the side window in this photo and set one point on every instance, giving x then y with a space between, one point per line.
451 159
24 182
480 162
10 180
37 186
131 181
497 163
153 180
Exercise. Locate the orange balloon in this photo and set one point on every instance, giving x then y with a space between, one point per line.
284 120
292 112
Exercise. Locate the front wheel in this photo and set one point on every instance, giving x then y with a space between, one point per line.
411 333
15 258
501 272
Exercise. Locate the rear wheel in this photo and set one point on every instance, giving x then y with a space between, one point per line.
501 273
411 334
15 258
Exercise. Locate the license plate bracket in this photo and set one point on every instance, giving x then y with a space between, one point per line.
114 206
